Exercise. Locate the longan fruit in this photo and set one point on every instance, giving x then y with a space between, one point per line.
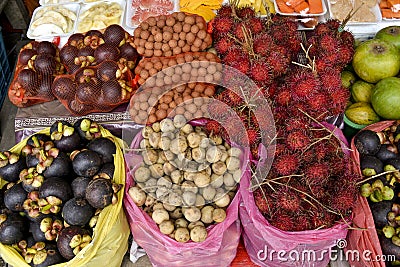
170 110
168 29
137 32
167 36
191 85
144 105
152 100
194 29
197 42
154 30
178 70
186 68
209 78
170 21
151 21
165 47
163 17
149 45
175 36
179 110
194 48
136 42
182 36
140 50
148 64
181 43
195 94
186 27
181 16
195 64
190 20
217 76
142 42
158 37
211 69
171 62
150 82
207 41
209 91
201 25
177 27
175 78
199 113
204 108
202 71
164 106
161 114
204 64
160 82
202 34
190 37
144 34
152 71
167 80
151 119
198 101
176 50
186 48
200 19
148 53
199 88
167 99
172 104
194 72
158 65
187 99
157 45
188 116
169 72
186 77
160 23
144 74
141 81
178 100
142 115
173 43
157 53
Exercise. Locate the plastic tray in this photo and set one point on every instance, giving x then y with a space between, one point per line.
375 10
74 7
130 12
57 2
324 10
86 6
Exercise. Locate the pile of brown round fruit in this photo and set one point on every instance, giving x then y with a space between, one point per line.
380 167
187 178
57 186
38 63
175 85
173 34
94 88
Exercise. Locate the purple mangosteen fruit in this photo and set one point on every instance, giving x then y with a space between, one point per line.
101 192
14 197
47 229
12 228
11 164
72 240
86 162
77 211
87 129
64 136
104 147
79 185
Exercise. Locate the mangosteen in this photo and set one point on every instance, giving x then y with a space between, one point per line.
63 88
59 167
129 52
44 90
64 136
112 92
107 70
386 152
76 40
94 33
79 185
86 75
31 180
392 164
14 197
380 211
106 171
88 93
46 229
104 147
367 142
114 34
11 164
45 64
46 47
86 51
86 162
78 108
101 192
106 52
43 254
370 165
71 240
12 228
56 187
388 247
38 140
25 55
31 207
68 54
87 129
77 211
29 80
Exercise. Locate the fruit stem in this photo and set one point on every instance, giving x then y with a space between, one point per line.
375 176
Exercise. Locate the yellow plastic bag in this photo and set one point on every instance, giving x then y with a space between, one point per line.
110 236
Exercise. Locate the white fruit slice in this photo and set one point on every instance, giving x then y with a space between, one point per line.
46 29
52 17
85 25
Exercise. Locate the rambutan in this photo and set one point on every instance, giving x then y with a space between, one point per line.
278 62
297 140
222 25
263 44
256 25
261 72
286 164
223 44
333 25
322 29
296 123
318 105
213 127
316 172
303 83
283 97
234 129
242 64
340 99
344 199
328 43
261 200
283 221
245 12
287 199
347 38
218 110
302 222
321 219
233 54
346 53
224 11
330 79
253 136
239 30
235 98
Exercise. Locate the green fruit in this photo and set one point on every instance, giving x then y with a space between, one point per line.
386 98
348 78
376 59
361 113
390 34
361 91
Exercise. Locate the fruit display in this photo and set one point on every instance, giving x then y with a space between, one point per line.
187 179
99 15
58 186
38 63
53 20
389 9
169 35
175 85
300 7
378 159
201 8
364 10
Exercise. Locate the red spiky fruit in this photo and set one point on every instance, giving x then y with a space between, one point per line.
261 72
283 97
223 44
344 199
328 43
219 110
286 164
242 64
302 222
318 105
253 135
263 44
233 54
278 62
262 201
296 123
317 172
224 11
283 221
303 83
287 200
213 127
297 140
256 25
340 99
222 25
245 12
330 79
240 30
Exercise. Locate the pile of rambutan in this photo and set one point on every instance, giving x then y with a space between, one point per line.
310 184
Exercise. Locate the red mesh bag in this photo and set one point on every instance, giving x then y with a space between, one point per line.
98 88
38 63
179 84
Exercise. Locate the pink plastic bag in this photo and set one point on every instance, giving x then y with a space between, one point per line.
270 246
219 249
365 239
